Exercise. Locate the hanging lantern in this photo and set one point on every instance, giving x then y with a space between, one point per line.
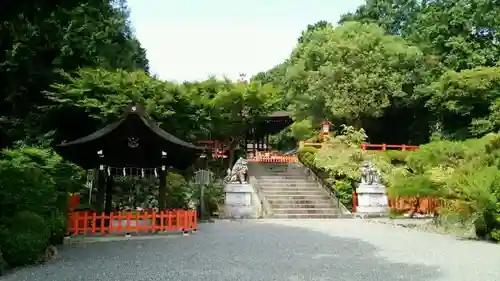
325 127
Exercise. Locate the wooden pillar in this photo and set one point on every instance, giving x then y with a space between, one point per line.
108 205
266 142
101 184
253 142
246 144
162 189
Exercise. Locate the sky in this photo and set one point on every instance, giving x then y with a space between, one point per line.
190 40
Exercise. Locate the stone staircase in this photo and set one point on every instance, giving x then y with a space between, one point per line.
290 193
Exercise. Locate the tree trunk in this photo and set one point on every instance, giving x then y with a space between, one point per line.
358 124
231 153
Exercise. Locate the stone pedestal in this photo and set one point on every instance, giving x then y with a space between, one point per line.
372 200
239 201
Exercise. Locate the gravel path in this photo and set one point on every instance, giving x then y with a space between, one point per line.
343 250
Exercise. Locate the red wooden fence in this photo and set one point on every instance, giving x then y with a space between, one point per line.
270 157
369 146
405 204
86 223
384 147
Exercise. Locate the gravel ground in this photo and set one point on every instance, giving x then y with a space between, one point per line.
344 250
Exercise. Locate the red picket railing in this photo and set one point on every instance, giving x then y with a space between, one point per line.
384 147
405 204
85 223
270 157
369 146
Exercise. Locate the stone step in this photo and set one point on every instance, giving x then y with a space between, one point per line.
278 164
294 193
290 205
280 169
280 189
285 181
296 198
285 201
307 216
297 211
281 177
305 186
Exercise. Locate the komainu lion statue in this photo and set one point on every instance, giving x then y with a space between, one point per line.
369 174
238 173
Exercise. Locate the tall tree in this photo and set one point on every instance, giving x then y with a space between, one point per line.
467 103
352 73
40 38
464 33
395 16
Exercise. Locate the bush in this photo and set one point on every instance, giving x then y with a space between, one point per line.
57 224
213 196
25 240
464 174
3 264
338 162
306 155
179 192
35 179
395 157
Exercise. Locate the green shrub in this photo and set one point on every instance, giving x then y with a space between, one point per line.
35 179
57 224
464 174
3 264
306 155
26 239
396 157
344 189
338 161
213 196
179 192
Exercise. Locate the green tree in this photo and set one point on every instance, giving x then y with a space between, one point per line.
353 72
91 98
39 38
394 16
462 33
467 102
238 106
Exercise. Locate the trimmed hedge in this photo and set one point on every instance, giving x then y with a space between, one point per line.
25 239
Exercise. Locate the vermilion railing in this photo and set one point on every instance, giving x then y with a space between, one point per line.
384 147
85 223
269 157
404 204
368 146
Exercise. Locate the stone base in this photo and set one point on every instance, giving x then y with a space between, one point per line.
372 200
238 188
238 202
238 212
371 188
372 209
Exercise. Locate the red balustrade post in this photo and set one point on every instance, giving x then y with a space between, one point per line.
384 147
153 221
354 201
185 222
195 221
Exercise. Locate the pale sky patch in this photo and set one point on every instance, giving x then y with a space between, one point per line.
193 39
